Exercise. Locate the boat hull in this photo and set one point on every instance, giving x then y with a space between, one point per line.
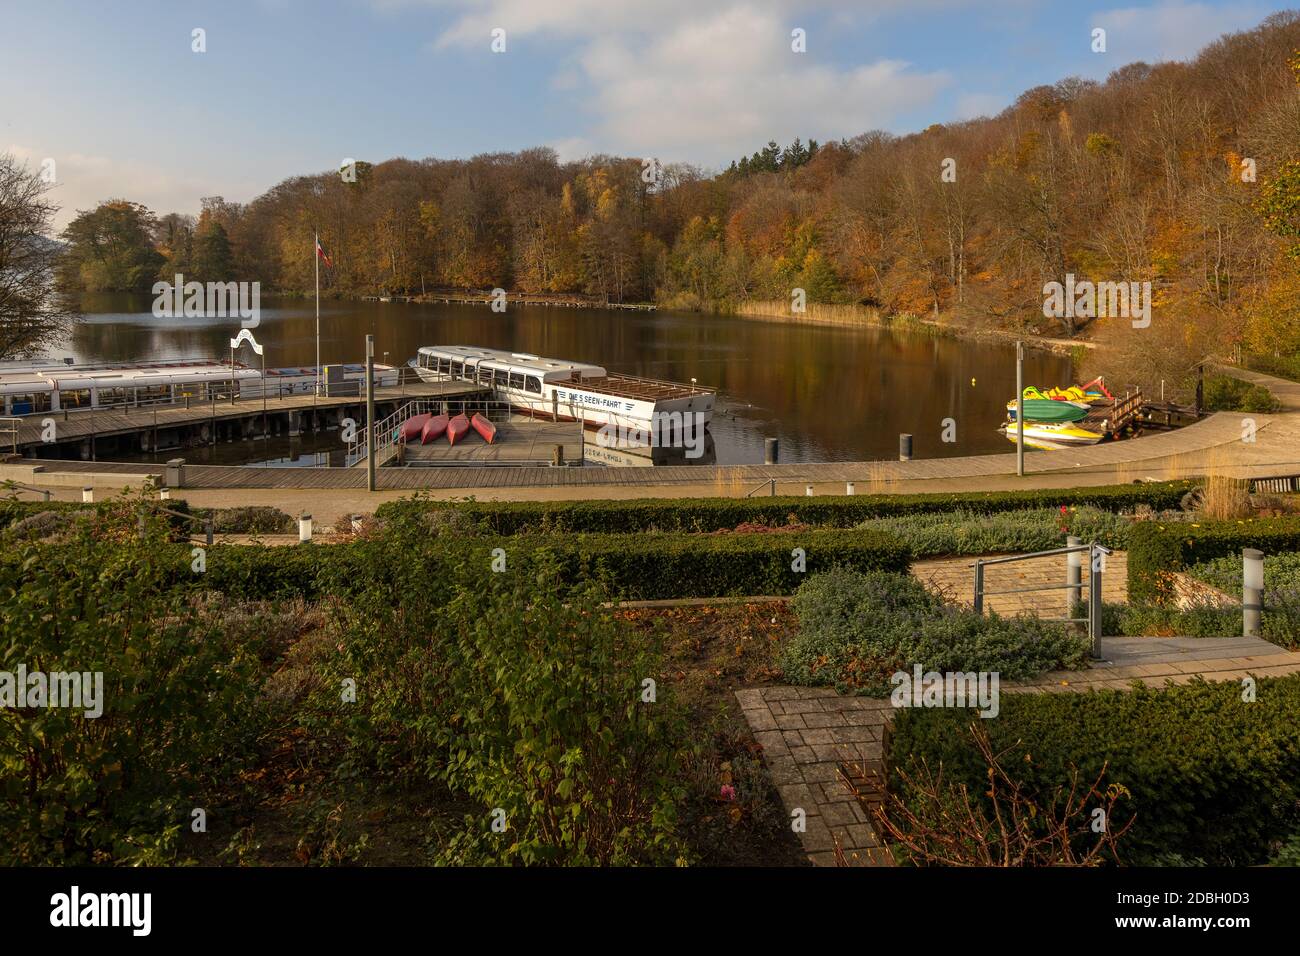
1052 437
456 429
487 431
1049 410
434 429
414 426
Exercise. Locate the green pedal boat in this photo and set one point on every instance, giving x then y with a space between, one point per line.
1049 410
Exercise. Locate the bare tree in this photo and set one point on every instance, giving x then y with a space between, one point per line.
32 313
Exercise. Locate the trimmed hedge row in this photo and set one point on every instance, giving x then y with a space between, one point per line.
649 567
713 514
1156 549
1211 777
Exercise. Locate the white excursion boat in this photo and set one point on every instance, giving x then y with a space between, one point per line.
572 391
48 385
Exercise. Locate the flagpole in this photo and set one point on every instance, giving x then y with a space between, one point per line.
315 255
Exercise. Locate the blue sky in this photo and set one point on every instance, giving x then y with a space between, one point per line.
115 95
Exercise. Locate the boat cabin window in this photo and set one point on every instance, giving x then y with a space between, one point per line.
74 398
457 369
517 380
30 403
534 385
159 393
110 396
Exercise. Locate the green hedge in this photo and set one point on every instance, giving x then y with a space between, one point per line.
641 567
1211 777
1156 548
653 567
712 514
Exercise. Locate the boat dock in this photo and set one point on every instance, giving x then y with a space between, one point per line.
1213 445
519 442
86 433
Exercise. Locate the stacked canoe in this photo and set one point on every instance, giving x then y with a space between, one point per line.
428 428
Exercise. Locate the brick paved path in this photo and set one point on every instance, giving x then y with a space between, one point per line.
809 733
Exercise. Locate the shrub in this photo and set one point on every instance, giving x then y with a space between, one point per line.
855 630
1210 776
250 519
1157 548
968 532
552 728
1225 394
176 695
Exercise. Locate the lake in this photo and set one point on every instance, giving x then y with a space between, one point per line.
827 393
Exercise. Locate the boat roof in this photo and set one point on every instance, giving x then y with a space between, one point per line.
17 377
548 368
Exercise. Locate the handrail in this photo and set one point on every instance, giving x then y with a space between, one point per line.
768 483
207 521
1073 583
1069 549
11 485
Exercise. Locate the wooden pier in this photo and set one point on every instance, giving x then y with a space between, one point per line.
84 433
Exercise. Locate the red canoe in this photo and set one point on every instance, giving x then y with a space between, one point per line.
433 429
456 429
414 425
484 428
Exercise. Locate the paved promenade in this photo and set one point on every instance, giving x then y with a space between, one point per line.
823 750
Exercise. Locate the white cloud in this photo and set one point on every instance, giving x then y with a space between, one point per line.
83 182
1172 30
672 79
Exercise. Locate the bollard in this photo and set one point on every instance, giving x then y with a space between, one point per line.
1073 575
808 492
356 522
304 528
769 451
1094 600
164 494
87 494
848 488
904 447
1252 591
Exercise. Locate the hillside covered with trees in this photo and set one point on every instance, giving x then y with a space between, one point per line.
1181 174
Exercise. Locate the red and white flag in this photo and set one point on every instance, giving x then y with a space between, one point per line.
324 256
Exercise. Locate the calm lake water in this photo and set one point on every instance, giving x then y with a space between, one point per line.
827 393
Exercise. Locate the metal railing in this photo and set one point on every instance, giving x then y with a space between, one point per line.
17 486
9 432
207 522
1073 584
769 483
